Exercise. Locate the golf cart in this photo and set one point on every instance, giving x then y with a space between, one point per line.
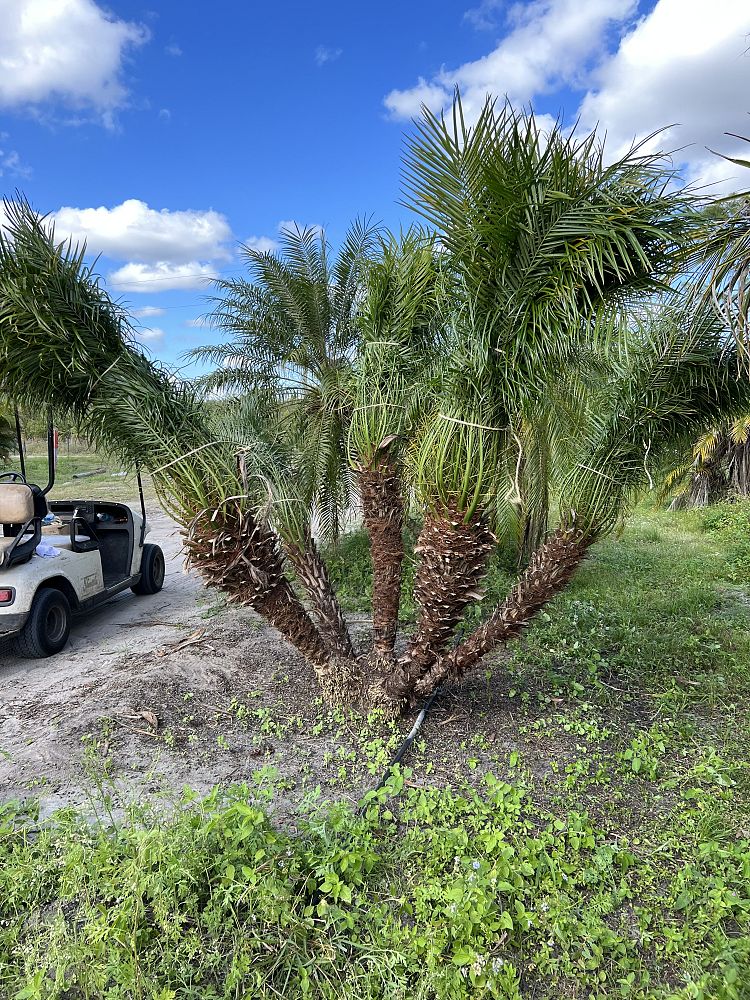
63 558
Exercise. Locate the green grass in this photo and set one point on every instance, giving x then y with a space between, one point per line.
593 842
96 487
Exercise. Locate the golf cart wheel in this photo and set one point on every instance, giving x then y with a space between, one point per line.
152 571
48 626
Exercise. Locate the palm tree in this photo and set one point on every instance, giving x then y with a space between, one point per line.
401 343
293 329
718 467
471 353
546 245
321 343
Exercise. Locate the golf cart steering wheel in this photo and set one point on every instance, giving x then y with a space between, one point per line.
13 476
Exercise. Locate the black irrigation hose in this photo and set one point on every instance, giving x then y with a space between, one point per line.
399 755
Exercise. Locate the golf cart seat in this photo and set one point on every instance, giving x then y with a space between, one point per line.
22 507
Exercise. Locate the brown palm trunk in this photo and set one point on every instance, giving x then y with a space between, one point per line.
453 557
383 513
549 571
243 558
313 575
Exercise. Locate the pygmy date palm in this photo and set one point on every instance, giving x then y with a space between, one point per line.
492 374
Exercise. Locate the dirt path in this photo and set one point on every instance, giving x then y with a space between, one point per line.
157 693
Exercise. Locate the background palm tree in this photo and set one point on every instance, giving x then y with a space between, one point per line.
718 467
293 332
728 264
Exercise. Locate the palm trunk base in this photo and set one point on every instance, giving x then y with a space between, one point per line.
453 558
376 696
383 514
548 573
340 681
313 575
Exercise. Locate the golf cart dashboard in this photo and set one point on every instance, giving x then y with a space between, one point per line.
100 514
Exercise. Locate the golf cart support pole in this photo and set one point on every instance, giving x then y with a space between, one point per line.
19 438
50 455
143 503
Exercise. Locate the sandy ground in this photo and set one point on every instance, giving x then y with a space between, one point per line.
157 693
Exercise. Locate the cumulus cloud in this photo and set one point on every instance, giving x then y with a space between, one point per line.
150 334
263 244
324 54
147 311
134 231
161 276
71 51
549 44
173 50
686 64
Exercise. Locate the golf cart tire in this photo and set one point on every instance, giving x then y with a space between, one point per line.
47 628
152 571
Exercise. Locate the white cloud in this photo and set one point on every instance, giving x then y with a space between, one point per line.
685 64
147 311
150 334
66 50
263 244
199 323
293 225
484 16
11 163
161 276
173 50
408 103
133 231
551 43
324 54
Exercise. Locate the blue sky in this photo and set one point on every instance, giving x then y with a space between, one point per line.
166 136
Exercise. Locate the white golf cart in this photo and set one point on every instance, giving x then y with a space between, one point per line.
94 550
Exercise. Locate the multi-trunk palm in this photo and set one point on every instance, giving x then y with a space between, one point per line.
490 378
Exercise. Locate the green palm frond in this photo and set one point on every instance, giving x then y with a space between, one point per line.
542 232
739 430
546 246
293 331
676 379
398 320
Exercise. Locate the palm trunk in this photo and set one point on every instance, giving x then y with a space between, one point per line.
243 558
453 557
383 513
313 575
549 571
